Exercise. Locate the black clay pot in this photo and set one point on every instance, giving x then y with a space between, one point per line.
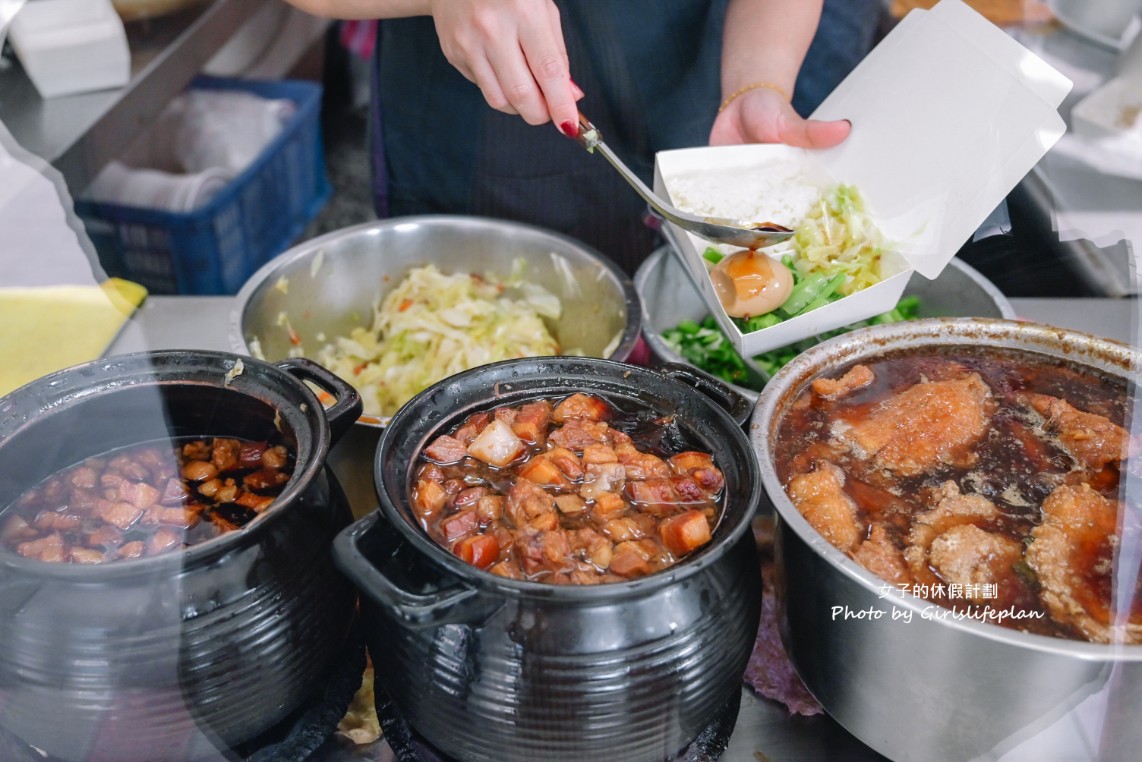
175 656
488 668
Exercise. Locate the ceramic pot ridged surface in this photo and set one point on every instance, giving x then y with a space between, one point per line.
487 668
937 687
179 655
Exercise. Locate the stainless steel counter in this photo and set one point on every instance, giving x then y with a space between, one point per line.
79 134
764 731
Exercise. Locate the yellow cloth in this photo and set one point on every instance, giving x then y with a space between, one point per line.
45 329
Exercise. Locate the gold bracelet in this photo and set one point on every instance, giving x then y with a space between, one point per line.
752 86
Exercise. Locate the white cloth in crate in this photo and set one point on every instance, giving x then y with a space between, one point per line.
201 141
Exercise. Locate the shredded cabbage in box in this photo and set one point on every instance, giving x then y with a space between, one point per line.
433 325
839 236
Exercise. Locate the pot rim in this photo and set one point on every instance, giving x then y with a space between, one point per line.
264 277
66 388
485 580
1034 338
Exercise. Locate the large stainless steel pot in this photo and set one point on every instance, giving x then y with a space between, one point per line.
489 668
175 656
939 688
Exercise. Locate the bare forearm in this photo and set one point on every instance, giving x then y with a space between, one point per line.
363 9
766 41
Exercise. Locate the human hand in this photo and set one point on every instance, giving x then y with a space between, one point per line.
513 50
764 115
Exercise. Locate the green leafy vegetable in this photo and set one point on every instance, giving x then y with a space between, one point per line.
705 346
712 255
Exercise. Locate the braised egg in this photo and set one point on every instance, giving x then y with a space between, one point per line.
751 283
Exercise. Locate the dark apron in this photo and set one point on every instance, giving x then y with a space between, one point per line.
651 71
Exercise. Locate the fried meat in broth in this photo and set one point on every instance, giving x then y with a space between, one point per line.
930 423
978 479
1072 552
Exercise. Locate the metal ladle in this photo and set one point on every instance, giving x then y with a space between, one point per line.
746 235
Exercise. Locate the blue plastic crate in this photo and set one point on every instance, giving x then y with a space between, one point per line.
215 248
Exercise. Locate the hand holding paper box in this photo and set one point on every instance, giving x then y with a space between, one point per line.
948 114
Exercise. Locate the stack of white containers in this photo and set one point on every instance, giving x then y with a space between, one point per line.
69 46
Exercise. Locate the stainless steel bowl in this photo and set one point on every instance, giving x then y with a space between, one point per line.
327 286
668 296
940 688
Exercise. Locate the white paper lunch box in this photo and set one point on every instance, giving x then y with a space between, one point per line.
948 114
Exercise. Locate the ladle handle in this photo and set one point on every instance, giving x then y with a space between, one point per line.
347 405
738 406
455 603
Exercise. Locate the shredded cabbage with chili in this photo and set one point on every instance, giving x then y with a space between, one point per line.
433 325
839 236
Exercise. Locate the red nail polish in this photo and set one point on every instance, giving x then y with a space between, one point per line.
570 129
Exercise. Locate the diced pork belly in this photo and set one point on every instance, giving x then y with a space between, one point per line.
50 547
445 449
599 453
250 454
578 434
428 499
642 465
602 477
532 421
468 497
87 556
685 533
265 479
634 527
541 469
700 467
490 508
119 514
505 415
224 453
592 547
175 492
633 558
688 490
56 521
570 505
567 461
459 525
16 527
472 427
526 501
581 406
164 538
431 471
84 477
608 505
653 493
540 551
481 550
